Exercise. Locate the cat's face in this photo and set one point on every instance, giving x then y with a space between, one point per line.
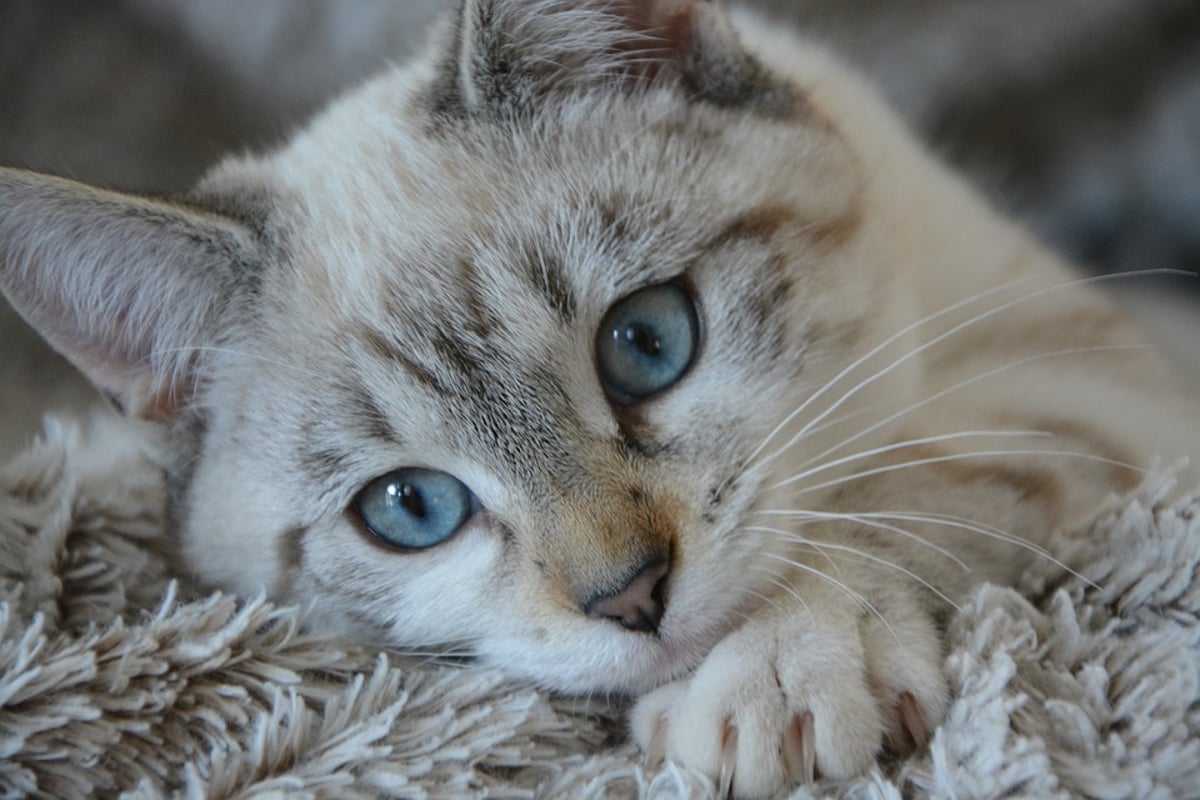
442 306
512 345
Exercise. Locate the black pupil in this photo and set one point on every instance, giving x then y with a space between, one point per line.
411 500
644 339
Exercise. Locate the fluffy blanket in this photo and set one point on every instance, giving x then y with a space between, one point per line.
114 681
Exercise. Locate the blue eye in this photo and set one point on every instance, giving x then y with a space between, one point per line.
646 343
415 508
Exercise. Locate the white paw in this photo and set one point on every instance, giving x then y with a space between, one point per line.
792 697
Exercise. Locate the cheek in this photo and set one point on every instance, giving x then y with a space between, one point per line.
444 594
722 560
235 525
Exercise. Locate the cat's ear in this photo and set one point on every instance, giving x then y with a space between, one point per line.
510 54
128 289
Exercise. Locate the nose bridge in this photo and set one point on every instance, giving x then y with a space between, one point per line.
586 472
610 541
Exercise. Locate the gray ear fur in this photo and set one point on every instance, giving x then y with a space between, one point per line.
126 288
511 54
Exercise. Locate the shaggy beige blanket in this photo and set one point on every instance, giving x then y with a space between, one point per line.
114 681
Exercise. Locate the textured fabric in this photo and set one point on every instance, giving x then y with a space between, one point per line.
114 679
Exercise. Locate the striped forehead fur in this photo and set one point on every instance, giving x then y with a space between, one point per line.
590 238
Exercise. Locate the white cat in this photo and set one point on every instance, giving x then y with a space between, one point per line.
622 346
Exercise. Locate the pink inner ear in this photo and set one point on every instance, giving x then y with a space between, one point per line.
131 383
674 17
671 23
653 14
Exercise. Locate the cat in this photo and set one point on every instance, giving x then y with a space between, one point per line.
630 345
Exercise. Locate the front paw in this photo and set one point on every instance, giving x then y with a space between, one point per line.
794 696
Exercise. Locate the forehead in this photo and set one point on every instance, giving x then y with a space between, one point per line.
605 182
457 276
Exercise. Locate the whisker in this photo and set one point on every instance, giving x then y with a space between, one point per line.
961 457
862 519
831 423
814 545
743 616
451 656
895 337
430 654
1001 434
945 335
850 593
777 582
962 385
983 529
860 554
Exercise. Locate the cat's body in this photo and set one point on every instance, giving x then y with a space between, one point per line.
855 351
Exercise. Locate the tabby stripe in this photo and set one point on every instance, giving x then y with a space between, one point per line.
548 278
326 466
483 321
362 411
394 353
837 231
765 222
760 224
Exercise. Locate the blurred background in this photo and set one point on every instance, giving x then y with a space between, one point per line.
1080 116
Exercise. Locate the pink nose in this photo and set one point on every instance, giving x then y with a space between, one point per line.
639 606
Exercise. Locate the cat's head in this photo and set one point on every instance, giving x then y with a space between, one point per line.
492 353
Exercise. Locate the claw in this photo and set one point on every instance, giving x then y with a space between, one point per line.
728 760
800 749
811 774
912 720
656 750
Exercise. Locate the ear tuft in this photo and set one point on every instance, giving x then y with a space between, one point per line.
130 290
511 55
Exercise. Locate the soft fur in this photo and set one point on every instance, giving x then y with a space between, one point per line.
895 386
